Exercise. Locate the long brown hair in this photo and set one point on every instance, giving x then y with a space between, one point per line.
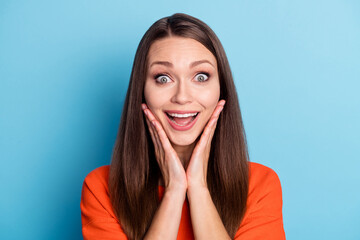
134 172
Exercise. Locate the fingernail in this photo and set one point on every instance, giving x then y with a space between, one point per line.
143 106
153 123
145 111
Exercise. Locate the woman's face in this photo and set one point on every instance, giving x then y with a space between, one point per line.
182 87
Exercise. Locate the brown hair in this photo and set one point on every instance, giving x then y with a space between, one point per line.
134 172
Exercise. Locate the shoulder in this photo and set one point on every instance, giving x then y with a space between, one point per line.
263 216
98 175
95 198
96 185
264 188
262 176
97 215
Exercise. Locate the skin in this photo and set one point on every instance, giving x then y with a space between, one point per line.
183 155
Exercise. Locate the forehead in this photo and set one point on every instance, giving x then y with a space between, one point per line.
179 50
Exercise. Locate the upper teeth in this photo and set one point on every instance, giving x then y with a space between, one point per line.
182 115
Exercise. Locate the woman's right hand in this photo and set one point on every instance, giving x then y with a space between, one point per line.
172 170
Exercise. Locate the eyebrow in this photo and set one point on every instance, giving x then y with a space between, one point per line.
193 64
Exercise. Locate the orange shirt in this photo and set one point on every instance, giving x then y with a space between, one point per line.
262 220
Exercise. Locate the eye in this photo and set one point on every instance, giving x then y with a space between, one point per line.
160 78
202 77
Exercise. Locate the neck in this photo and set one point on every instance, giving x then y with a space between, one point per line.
184 153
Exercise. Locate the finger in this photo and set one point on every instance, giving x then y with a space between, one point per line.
215 116
153 134
160 132
149 114
219 108
158 142
221 102
150 126
163 137
210 127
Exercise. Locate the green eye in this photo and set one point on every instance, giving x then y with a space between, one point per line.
202 77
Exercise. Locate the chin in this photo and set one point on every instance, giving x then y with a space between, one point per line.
183 140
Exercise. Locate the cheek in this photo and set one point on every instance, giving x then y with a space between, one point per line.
149 95
209 98
153 99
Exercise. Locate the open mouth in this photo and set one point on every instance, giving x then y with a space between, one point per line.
182 119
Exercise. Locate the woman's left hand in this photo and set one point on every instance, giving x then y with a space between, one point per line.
197 169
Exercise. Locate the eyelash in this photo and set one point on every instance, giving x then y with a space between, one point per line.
160 75
165 75
203 73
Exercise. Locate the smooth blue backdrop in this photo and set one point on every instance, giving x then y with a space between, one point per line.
64 70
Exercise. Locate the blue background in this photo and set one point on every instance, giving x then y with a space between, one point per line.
64 70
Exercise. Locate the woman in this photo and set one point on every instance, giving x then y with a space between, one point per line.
180 164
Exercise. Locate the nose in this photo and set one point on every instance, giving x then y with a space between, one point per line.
182 93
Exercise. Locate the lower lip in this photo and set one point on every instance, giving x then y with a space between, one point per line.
182 128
